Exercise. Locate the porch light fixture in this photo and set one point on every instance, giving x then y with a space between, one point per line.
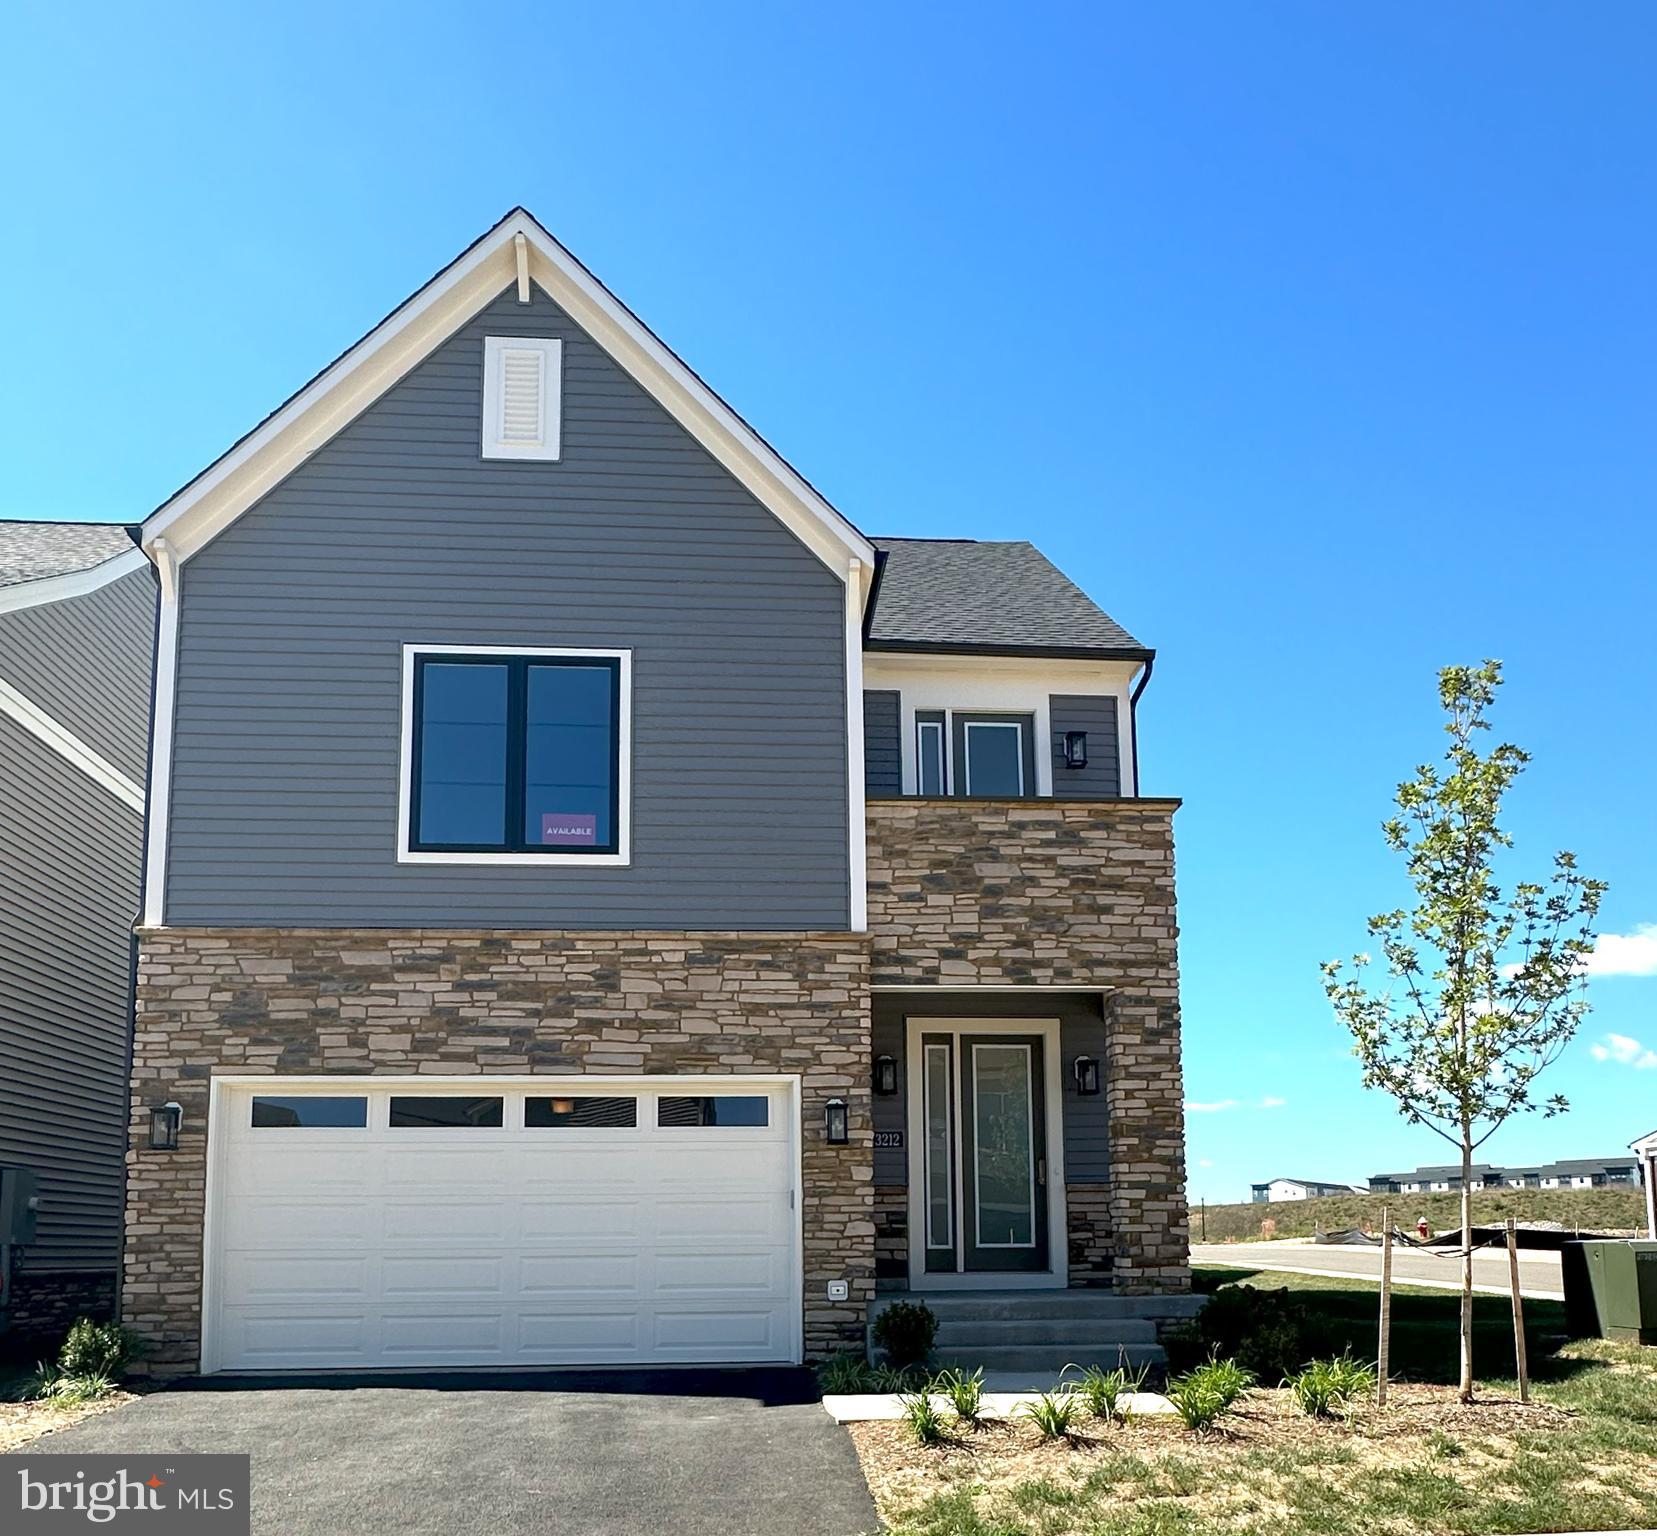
165 1120
1075 749
836 1127
886 1075
1087 1075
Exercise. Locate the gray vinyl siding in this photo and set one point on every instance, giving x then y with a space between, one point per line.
882 752
71 854
1081 1033
85 662
1095 714
285 766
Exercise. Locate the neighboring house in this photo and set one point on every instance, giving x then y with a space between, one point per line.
1297 1189
1645 1149
77 627
1571 1173
601 907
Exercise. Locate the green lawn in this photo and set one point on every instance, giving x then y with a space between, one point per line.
1425 1321
1583 1458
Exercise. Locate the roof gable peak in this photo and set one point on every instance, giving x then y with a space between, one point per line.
517 249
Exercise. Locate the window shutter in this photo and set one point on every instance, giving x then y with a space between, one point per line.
522 388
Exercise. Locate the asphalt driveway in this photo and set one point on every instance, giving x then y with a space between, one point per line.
737 1453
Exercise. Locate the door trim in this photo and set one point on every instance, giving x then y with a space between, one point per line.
221 1091
1057 1274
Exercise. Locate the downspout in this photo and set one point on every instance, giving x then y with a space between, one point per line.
136 534
1133 714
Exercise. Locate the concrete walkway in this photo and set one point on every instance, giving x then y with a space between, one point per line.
697 1453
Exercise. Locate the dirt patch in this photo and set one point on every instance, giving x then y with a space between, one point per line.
21 1423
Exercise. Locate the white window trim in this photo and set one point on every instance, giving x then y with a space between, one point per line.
623 855
968 726
940 728
551 352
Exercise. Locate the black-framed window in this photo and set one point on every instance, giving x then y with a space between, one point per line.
515 754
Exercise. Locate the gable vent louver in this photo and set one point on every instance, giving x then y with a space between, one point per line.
522 385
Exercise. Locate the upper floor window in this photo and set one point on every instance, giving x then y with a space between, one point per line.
961 753
515 755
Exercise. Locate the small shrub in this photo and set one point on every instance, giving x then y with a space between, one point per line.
891 1378
844 1375
965 1394
1104 1390
68 1389
905 1331
1267 1332
1197 1399
95 1349
1327 1386
1053 1413
1227 1377
925 1423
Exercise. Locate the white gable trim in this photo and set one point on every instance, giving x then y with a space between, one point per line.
222 492
54 589
68 746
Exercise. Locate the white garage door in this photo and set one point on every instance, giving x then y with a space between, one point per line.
386 1223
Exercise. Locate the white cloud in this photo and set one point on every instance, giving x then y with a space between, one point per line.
1205 1162
1625 1051
1626 954
1219 1106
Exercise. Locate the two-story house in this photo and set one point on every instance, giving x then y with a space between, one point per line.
603 908
77 627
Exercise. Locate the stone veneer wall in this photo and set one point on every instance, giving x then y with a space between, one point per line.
319 1000
966 893
41 1304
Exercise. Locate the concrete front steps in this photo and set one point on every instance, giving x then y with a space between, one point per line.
1028 1336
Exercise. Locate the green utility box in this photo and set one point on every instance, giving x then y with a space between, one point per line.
1611 1289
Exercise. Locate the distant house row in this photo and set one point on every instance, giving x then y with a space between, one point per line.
1572 1173
1301 1189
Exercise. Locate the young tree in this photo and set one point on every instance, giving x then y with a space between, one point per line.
1483 989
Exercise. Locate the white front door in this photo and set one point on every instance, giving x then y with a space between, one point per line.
375 1222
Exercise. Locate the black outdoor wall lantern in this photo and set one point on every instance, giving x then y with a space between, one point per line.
886 1075
836 1127
165 1120
1087 1075
1075 749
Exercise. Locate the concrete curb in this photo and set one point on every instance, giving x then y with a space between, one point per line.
872 1407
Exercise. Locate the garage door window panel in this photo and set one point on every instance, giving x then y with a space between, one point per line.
434 1112
575 1112
726 1110
272 1112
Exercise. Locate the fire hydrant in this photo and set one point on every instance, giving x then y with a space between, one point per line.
1423 1229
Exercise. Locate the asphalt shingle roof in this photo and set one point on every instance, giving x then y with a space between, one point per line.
960 594
33 551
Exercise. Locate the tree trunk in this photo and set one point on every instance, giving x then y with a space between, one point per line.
1466 1267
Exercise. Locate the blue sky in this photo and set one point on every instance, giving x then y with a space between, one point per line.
1316 342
